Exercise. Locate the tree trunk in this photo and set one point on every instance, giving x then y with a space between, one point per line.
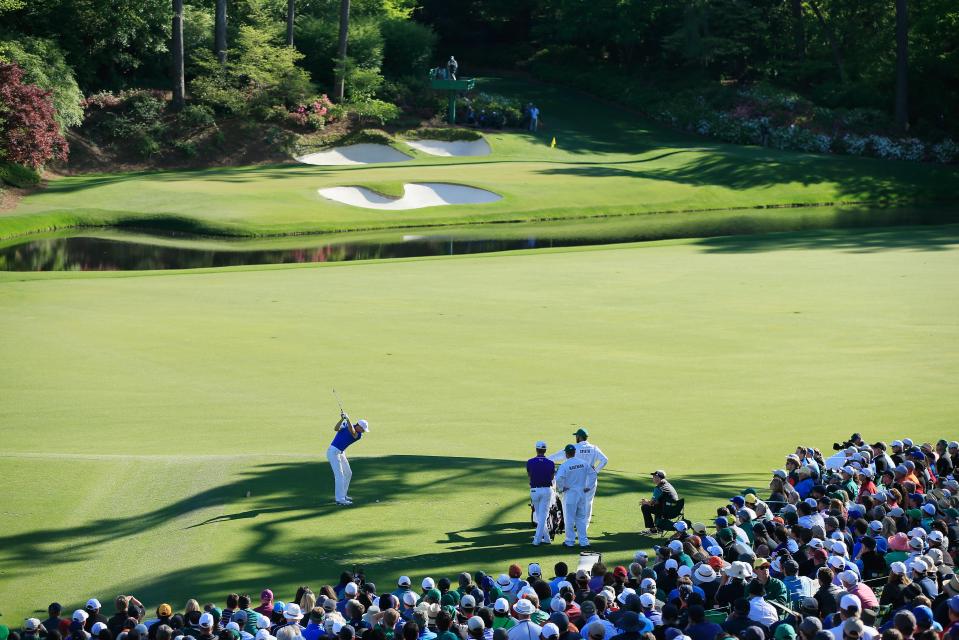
179 84
219 45
800 32
290 14
833 43
902 65
341 51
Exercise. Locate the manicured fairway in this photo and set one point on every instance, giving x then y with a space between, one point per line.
607 162
136 410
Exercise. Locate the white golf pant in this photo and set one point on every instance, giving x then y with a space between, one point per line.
342 474
575 502
589 505
542 499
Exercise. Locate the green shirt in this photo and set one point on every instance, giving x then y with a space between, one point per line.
775 591
447 635
504 622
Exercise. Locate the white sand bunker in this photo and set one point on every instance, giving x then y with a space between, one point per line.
355 154
416 195
459 148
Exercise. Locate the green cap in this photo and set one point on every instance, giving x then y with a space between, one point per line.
569 447
785 632
581 432
916 514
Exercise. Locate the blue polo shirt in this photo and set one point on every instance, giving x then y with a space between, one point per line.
343 439
540 470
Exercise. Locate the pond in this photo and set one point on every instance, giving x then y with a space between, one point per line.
112 250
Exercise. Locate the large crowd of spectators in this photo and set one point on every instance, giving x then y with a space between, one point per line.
856 546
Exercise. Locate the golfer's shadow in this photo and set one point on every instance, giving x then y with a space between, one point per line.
252 513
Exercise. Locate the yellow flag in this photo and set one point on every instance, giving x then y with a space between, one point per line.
552 145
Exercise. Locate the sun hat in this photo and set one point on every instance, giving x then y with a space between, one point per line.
704 574
292 612
524 607
739 570
898 542
504 580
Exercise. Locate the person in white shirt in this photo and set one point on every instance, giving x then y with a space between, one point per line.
850 609
525 629
576 479
592 455
759 610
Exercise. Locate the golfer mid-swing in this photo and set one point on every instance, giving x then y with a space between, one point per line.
346 434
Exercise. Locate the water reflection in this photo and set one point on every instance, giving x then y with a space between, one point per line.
102 254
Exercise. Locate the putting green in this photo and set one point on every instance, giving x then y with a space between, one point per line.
607 162
137 410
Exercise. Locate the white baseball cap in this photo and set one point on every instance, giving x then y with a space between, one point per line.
676 545
671 564
535 569
262 622
404 581
647 600
502 604
684 571
206 620
409 598
32 624
550 630
80 615
363 424
350 588
680 526
850 601
625 593
640 555
557 604
541 444
428 584
836 562
476 623
92 604
899 568
849 577
97 628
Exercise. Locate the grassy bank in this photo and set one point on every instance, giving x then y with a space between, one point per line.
136 411
607 162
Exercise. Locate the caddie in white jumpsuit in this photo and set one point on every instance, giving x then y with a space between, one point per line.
575 479
592 455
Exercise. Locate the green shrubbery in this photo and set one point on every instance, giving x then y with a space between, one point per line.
17 175
43 64
445 134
